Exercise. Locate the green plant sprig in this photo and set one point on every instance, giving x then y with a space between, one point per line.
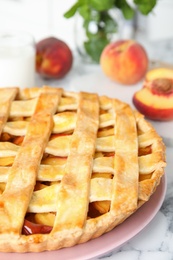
97 12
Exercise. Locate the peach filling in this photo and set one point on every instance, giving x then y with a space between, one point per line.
33 228
42 223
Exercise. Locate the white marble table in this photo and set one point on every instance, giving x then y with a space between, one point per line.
155 241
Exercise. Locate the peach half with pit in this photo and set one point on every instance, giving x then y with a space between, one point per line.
124 61
155 99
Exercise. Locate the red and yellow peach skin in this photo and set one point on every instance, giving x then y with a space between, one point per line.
53 58
124 61
155 107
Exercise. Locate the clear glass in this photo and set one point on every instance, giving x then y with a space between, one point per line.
80 35
17 59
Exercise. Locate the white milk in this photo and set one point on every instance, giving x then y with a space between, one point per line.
17 60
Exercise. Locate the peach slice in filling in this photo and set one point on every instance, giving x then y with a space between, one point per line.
30 228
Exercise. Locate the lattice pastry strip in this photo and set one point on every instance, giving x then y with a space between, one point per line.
154 160
125 181
60 146
150 162
23 108
21 180
45 200
64 121
6 97
74 191
56 172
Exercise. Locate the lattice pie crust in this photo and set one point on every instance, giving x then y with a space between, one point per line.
72 167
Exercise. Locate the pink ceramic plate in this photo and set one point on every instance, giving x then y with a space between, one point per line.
109 241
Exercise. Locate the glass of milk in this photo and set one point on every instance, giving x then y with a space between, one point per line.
17 59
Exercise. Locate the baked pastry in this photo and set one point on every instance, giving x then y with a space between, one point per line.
72 167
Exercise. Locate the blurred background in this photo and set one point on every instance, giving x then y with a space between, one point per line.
43 18
40 17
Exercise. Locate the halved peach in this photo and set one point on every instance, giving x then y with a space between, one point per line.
155 99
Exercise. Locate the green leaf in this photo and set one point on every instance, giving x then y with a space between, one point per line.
126 9
88 31
94 47
104 26
145 6
84 11
109 24
95 15
72 11
101 5
128 12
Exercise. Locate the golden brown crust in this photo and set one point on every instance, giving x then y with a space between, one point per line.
89 162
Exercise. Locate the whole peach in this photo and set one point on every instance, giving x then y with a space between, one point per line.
53 58
124 61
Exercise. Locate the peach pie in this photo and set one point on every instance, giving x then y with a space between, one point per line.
72 167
